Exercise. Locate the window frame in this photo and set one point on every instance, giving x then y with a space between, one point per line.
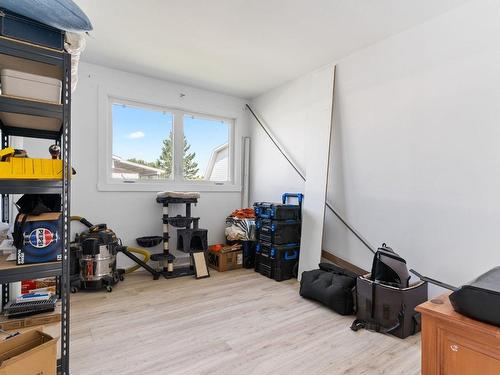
177 182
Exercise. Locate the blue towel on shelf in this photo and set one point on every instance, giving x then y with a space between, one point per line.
61 14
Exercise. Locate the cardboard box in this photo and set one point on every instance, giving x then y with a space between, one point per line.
225 261
7 324
29 353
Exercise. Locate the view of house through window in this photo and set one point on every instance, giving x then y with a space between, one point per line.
206 149
144 145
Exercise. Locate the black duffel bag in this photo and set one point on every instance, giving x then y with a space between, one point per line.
331 285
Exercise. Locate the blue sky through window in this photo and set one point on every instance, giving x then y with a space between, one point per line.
139 133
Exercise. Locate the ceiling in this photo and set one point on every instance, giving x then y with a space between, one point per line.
242 47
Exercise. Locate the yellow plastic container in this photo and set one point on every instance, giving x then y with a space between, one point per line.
28 168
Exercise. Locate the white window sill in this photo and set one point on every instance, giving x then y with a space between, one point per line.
166 186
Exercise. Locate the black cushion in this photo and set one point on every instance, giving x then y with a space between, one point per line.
332 288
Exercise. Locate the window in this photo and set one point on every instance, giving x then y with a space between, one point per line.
206 149
159 145
142 143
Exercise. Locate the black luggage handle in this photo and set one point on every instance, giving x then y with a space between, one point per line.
435 282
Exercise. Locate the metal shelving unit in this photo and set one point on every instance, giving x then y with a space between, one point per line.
8 104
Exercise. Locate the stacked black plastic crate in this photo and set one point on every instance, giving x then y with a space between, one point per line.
278 237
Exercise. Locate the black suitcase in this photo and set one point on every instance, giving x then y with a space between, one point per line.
331 285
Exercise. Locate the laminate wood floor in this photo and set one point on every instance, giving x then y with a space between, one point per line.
236 322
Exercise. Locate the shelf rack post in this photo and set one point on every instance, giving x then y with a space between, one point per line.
5 197
65 201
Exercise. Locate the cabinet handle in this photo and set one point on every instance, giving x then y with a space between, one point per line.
454 347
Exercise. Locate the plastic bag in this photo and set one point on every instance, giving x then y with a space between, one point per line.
74 44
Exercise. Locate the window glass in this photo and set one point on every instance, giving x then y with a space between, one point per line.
206 149
142 143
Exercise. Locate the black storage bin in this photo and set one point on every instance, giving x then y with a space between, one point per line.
286 259
287 252
25 29
263 263
278 232
277 211
284 270
277 262
248 248
266 266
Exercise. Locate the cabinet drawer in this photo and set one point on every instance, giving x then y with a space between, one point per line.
466 356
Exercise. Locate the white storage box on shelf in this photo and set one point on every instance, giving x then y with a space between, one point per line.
32 87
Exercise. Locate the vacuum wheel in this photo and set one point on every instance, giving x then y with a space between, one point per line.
74 289
109 288
122 277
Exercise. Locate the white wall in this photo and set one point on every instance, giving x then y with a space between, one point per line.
282 111
298 114
416 146
135 214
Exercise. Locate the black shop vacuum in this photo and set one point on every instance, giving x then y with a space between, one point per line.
93 258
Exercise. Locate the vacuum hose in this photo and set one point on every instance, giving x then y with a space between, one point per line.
81 220
146 254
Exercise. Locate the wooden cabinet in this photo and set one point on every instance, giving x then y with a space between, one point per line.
453 344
